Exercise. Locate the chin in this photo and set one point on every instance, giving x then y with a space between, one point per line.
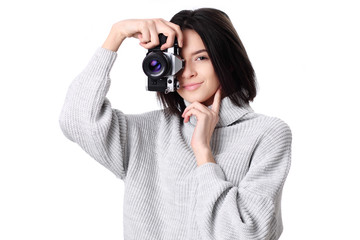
200 100
194 96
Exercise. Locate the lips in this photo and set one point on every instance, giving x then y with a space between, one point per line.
192 86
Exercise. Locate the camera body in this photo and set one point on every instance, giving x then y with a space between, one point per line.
161 67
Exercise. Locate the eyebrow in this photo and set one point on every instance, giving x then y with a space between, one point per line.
198 51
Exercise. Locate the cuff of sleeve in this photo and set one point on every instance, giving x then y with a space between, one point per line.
210 173
211 183
101 63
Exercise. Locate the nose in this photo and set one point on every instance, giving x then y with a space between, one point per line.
187 72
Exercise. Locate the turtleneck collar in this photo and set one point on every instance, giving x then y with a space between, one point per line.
228 113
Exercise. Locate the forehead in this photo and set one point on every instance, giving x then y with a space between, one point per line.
192 42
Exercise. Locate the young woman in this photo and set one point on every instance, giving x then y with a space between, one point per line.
204 167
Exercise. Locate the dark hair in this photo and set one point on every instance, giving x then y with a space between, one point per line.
227 54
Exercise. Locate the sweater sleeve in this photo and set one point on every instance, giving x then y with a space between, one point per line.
251 209
88 119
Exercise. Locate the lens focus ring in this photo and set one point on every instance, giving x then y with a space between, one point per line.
156 65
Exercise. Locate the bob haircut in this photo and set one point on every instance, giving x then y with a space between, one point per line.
227 54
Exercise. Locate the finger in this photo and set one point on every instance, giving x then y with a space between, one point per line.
145 36
137 35
217 100
170 39
191 112
196 105
188 108
178 32
154 37
168 30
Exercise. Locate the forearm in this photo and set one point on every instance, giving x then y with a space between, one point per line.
88 119
227 211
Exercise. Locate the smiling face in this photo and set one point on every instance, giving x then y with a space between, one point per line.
198 70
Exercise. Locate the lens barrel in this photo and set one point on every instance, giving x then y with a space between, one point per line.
156 65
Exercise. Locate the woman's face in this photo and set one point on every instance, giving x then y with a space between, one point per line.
198 70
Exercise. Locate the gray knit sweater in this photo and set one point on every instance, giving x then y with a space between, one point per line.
167 196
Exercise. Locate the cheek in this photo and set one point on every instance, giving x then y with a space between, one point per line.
211 75
213 81
180 92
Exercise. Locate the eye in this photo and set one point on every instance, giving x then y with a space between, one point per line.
201 58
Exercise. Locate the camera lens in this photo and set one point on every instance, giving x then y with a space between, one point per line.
155 66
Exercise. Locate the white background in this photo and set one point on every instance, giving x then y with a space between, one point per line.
306 57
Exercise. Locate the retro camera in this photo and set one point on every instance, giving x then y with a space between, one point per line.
161 67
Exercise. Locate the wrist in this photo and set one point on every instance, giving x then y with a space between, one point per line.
114 40
203 156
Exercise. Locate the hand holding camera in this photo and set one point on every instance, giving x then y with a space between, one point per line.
146 30
163 39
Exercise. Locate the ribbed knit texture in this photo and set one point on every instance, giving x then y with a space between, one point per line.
167 196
